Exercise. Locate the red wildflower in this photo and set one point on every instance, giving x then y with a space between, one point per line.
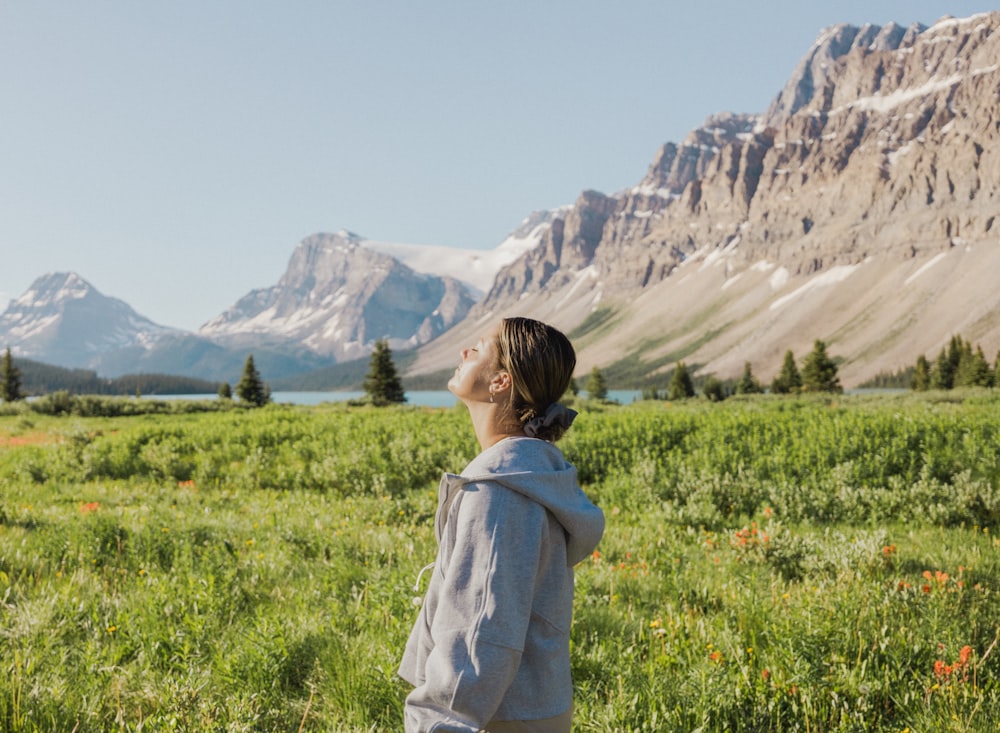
963 655
943 670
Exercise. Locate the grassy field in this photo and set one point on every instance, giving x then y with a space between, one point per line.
769 565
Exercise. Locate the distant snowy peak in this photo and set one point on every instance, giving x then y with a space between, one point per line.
477 268
62 316
53 289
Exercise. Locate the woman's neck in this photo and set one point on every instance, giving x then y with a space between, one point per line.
489 426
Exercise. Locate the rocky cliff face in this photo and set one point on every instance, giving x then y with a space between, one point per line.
860 208
337 297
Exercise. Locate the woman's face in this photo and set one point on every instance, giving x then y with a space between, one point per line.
471 380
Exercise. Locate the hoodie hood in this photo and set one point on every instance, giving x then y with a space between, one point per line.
538 470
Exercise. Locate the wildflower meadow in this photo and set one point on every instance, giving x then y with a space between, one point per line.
770 564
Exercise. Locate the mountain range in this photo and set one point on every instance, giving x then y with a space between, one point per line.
860 208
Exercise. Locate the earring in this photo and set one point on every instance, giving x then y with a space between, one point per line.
491 394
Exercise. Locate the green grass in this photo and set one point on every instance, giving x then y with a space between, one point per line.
769 565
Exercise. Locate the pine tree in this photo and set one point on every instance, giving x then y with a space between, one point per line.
748 383
10 379
225 391
382 385
965 369
251 389
922 375
819 373
597 388
681 386
942 374
788 380
956 349
979 373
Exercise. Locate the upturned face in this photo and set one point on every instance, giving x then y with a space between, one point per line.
478 365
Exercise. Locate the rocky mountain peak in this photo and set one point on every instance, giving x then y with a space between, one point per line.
815 70
53 289
337 296
675 166
61 316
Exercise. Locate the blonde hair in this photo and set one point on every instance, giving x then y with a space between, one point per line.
540 361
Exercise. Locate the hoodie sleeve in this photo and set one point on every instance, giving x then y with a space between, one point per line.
485 600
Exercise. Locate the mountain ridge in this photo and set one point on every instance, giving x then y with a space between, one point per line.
857 208
803 223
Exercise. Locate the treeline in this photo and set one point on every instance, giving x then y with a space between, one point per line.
818 373
960 364
956 365
38 378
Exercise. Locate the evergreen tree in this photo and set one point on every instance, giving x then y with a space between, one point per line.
788 380
956 354
978 373
597 388
681 386
964 364
942 375
819 373
996 371
748 383
382 384
251 389
10 379
713 389
225 391
922 375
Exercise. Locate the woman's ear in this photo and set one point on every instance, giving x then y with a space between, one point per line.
501 382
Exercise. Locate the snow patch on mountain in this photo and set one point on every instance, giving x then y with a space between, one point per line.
834 275
925 267
474 267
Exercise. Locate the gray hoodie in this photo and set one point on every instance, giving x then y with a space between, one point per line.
492 638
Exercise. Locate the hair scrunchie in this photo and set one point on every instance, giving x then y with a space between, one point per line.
555 414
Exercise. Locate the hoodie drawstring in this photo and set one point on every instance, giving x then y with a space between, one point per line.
424 569
417 600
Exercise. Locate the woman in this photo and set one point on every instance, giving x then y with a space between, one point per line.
490 649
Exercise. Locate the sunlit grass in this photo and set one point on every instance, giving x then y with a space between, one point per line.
766 567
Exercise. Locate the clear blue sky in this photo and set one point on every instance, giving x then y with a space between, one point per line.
174 153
